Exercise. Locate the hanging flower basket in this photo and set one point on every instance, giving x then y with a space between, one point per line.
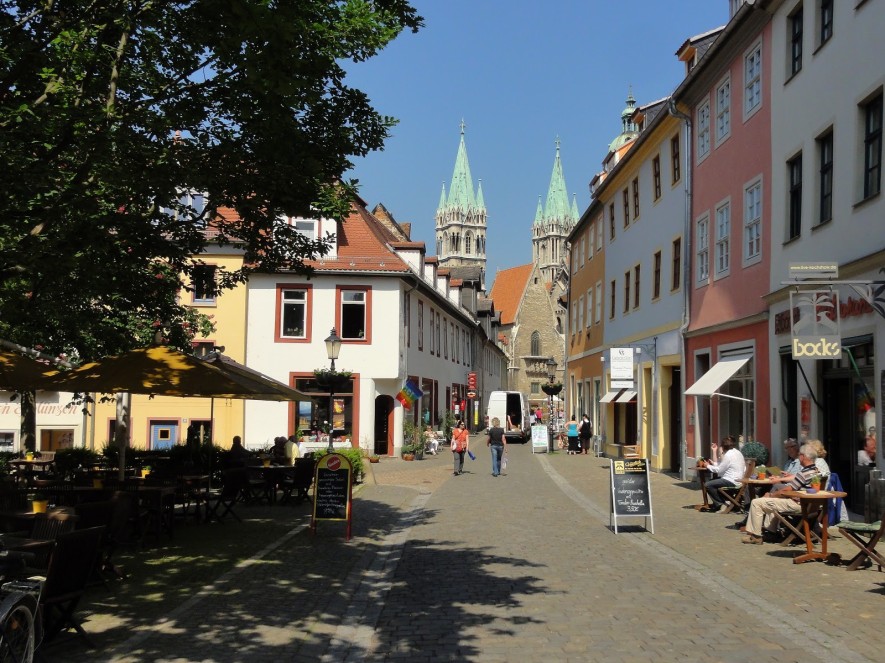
334 379
551 389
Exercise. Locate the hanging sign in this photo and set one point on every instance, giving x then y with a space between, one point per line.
621 367
815 330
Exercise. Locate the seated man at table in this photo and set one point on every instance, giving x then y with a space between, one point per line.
730 469
239 455
278 451
776 501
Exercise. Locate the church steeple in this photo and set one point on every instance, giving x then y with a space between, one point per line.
553 223
461 217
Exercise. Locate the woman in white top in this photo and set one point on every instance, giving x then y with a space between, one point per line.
730 470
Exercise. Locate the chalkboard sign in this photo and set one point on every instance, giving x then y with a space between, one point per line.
631 493
332 490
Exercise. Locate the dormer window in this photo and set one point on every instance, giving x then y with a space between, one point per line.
307 227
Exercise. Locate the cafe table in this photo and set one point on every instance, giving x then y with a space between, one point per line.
755 487
704 473
810 502
27 468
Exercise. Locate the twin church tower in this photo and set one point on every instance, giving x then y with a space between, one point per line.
462 220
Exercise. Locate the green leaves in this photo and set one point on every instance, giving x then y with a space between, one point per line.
110 111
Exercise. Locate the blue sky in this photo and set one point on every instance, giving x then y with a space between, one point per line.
519 73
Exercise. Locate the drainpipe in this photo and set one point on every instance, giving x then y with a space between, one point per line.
686 280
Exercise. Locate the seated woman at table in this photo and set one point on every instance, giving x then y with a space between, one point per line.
776 501
822 467
730 468
430 440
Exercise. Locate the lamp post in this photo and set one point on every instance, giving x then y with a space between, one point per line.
333 347
551 374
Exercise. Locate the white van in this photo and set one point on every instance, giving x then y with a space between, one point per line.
510 403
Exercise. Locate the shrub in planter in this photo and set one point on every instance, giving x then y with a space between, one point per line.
755 451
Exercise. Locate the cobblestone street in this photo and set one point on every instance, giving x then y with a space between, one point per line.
519 567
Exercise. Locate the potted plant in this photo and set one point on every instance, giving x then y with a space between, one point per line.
39 502
447 421
334 379
413 444
754 450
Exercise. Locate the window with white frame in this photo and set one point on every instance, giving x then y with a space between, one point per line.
825 177
580 312
205 288
420 325
600 233
293 313
753 80
703 250
597 315
354 314
703 123
723 110
589 307
872 166
753 222
575 320
723 232
306 227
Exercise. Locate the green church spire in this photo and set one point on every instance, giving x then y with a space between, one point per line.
539 213
480 201
461 189
557 206
442 198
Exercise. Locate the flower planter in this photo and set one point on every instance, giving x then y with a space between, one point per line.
374 459
408 456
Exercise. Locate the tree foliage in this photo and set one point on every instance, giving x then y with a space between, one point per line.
111 110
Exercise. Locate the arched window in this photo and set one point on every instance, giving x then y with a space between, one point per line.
446 246
439 245
468 244
536 344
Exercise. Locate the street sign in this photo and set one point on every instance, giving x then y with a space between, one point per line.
471 381
471 394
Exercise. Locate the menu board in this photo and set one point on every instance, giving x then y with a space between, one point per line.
631 493
332 490
539 438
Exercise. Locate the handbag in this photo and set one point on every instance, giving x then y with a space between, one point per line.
504 463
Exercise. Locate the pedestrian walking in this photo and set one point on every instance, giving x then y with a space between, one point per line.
571 430
585 433
460 445
497 443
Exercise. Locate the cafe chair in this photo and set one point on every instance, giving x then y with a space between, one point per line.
101 514
865 536
70 567
298 482
792 523
734 496
221 502
45 530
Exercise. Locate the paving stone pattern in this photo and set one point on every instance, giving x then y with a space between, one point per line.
519 567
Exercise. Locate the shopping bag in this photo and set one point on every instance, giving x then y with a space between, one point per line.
504 463
471 454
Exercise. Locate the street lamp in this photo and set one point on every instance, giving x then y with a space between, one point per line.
551 374
333 347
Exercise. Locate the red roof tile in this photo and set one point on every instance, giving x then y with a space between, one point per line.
508 289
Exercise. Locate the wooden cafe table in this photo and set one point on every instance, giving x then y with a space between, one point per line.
704 473
809 503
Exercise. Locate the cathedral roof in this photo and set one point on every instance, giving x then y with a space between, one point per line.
557 207
508 289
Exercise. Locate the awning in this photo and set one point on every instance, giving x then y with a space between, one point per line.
719 374
610 396
626 397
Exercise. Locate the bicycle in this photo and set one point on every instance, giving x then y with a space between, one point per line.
21 625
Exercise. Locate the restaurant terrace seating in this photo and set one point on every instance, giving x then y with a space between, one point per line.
734 495
70 566
865 536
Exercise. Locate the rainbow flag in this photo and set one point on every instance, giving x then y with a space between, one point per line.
409 394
